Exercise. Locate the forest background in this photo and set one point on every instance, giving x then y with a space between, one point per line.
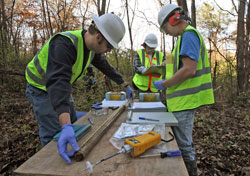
221 132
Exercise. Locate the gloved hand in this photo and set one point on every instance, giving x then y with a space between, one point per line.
130 92
67 136
158 84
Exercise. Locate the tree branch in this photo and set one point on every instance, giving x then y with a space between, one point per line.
217 49
226 10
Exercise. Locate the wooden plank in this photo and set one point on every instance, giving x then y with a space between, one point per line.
48 162
89 143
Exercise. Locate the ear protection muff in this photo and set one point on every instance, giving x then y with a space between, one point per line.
175 19
143 45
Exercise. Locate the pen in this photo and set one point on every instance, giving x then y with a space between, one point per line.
90 120
143 118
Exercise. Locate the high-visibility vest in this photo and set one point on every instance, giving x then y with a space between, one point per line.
145 82
195 91
36 68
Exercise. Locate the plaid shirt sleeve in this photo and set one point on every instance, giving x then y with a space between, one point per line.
139 68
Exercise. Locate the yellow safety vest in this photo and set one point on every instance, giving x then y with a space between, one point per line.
36 68
145 82
195 91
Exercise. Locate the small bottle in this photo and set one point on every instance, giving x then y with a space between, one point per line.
107 96
123 96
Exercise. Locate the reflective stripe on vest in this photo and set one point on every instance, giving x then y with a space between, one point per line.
39 77
190 93
144 82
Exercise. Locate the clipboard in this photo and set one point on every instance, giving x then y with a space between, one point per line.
155 118
155 69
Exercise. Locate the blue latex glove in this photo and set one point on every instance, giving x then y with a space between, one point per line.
67 136
130 92
158 84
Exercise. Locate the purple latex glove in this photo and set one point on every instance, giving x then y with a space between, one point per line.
67 136
158 84
130 92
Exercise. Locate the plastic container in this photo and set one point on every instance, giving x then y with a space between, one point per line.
105 110
149 97
93 111
115 96
98 111
98 104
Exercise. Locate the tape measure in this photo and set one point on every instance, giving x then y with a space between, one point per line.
142 143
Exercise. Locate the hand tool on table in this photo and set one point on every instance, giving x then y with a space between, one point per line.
169 154
90 120
134 146
130 107
144 118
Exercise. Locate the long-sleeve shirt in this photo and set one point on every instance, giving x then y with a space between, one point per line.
61 58
139 68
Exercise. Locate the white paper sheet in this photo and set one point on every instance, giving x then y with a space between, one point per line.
146 105
163 117
106 103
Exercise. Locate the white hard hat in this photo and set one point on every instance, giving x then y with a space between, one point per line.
165 12
111 27
151 41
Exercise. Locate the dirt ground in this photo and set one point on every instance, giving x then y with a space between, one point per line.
221 135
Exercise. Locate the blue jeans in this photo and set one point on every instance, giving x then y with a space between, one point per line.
47 118
183 133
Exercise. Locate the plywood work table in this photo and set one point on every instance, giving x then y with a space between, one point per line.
48 162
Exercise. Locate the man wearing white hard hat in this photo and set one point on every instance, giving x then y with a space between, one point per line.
188 80
62 60
144 59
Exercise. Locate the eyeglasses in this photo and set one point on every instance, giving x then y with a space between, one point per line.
109 46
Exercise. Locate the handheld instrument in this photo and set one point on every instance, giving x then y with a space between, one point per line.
169 154
134 146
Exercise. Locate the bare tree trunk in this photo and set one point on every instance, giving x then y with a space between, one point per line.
3 33
101 8
247 47
193 13
45 19
11 19
84 14
130 34
240 47
34 41
210 56
163 45
49 19
183 4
